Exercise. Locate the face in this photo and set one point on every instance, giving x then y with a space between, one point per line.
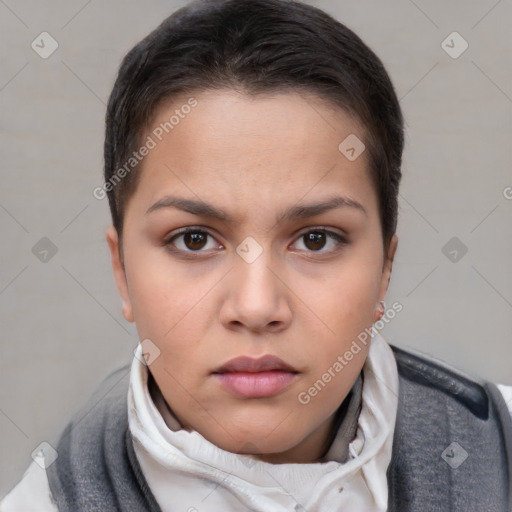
282 257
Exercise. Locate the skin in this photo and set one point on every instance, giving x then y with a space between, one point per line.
302 301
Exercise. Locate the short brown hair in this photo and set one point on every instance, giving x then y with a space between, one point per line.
256 46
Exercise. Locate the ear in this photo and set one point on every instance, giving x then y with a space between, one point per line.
386 271
119 271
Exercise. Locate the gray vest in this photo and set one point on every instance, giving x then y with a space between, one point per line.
452 447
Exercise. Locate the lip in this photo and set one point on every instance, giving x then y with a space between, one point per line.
250 365
246 377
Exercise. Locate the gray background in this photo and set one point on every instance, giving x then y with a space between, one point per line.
62 327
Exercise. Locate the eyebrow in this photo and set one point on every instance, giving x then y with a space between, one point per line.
300 211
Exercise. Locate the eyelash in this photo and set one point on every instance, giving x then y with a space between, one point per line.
169 241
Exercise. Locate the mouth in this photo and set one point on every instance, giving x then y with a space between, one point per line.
246 377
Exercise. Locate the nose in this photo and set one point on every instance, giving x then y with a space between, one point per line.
257 296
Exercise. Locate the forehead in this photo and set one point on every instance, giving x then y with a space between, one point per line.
244 150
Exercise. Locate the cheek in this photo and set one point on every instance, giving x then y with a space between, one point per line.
346 307
160 294
171 308
349 298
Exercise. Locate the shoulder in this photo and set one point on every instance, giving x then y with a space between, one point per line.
472 392
107 404
31 493
447 418
506 391
105 409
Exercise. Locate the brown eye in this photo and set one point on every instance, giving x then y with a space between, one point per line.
321 241
315 240
195 241
191 240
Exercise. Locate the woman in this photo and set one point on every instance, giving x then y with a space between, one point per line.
252 165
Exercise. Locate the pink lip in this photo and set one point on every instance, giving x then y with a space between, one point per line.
246 377
255 384
250 364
